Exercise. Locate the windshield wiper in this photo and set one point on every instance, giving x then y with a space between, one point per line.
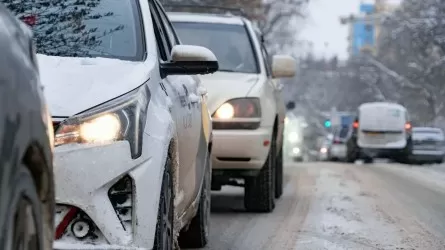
227 70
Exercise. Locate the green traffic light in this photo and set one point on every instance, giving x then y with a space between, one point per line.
327 124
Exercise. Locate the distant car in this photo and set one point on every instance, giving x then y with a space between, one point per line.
323 152
428 145
245 102
338 150
26 144
381 129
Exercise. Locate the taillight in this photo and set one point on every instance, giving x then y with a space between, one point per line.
407 126
355 125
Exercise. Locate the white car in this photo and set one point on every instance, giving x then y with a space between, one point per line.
381 129
133 134
428 145
245 102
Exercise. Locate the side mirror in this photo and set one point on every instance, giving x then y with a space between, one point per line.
290 106
283 66
190 60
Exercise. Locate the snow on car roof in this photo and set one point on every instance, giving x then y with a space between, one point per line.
204 18
381 104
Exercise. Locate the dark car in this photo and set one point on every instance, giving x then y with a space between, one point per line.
26 170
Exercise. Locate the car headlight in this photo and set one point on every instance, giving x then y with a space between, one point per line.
239 108
293 137
117 120
296 150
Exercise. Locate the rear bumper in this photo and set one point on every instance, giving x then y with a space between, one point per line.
338 151
427 155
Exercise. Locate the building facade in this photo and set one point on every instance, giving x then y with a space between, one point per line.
364 27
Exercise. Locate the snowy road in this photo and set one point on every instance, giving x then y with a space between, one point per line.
339 206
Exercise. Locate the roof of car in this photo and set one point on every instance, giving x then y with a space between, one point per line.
205 18
420 129
381 104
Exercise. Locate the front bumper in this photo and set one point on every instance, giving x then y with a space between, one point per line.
84 175
241 149
338 151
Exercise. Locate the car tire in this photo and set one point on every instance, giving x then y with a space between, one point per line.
259 191
197 234
279 172
164 226
22 209
368 160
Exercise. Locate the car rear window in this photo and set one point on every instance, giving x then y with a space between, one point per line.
99 28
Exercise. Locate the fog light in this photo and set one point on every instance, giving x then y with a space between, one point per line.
81 228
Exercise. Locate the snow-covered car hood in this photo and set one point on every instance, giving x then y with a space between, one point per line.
72 85
223 86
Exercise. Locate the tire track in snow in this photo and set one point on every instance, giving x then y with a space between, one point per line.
232 228
400 201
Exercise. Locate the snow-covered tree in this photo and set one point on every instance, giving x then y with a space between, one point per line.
62 27
412 44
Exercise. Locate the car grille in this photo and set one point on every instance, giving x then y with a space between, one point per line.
121 197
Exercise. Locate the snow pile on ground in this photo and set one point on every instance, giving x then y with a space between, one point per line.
342 216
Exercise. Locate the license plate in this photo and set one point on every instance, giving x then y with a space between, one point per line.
373 133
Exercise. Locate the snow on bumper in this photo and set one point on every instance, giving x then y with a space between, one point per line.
240 149
83 176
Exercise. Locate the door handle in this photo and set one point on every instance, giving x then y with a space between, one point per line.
202 90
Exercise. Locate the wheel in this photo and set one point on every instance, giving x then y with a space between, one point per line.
351 154
164 225
21 212
259 191
197 235
368 160
279 172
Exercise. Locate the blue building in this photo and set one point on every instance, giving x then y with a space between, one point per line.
363 30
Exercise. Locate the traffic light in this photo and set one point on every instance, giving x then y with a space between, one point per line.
327 123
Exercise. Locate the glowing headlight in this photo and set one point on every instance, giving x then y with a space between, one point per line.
122 119
248 107
226 111
286 120
323 150
296 150
102 129
293 137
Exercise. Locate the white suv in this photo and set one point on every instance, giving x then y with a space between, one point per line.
133 134
245 101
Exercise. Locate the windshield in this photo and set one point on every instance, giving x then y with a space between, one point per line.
230 43
100 28
342 132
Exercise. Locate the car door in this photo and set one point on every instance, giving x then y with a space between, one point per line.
281 109
187 118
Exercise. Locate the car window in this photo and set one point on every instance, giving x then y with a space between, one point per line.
173 39
107 28
266 61
164 48
343 132
230 43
